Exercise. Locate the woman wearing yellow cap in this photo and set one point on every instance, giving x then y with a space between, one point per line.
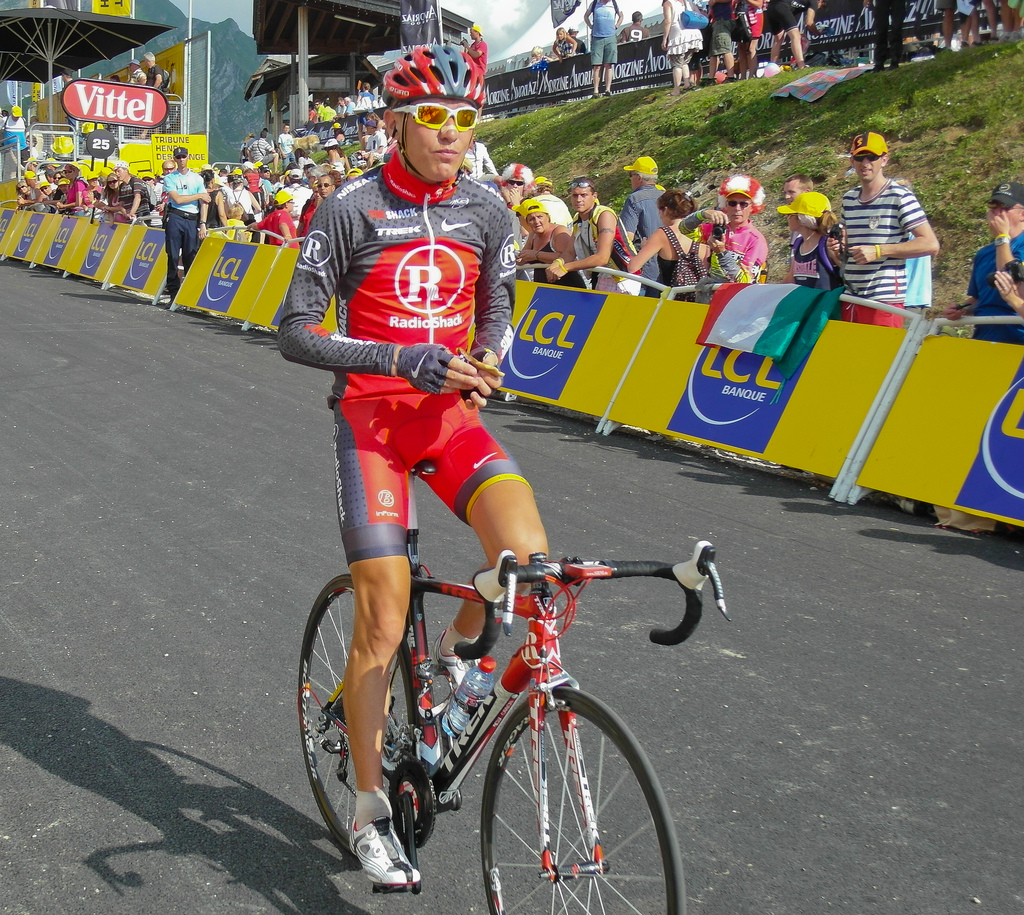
548 242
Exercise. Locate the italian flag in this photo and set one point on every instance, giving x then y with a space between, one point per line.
781 321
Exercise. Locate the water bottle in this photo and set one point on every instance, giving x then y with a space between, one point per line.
474 688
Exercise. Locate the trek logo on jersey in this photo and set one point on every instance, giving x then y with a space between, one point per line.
390 232
732 398
995 483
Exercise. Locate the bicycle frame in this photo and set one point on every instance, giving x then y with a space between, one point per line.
535 667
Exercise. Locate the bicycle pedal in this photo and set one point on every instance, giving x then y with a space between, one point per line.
398 887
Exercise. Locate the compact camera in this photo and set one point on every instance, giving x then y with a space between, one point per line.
1016 270
718 233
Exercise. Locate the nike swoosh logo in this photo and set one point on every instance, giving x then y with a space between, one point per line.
419 365
451 227
482 461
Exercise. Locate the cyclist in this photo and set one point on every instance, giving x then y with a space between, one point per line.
416 255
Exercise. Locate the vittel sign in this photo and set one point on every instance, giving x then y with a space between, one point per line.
114 103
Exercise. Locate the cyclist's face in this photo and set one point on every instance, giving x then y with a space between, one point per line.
436 154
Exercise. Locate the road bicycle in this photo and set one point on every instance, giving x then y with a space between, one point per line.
573 816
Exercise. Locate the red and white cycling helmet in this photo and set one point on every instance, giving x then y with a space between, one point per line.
434 71
745 185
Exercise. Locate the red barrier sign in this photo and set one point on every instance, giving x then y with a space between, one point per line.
114 103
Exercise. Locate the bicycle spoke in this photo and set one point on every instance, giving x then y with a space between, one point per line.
324 657
643 873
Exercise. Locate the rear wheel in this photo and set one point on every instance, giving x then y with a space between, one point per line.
637 868
325 648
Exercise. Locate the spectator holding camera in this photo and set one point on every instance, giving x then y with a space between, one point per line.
738 250
885 225
995 287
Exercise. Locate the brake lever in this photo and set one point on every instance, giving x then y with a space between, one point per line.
508 575
691 576
706 566
492 586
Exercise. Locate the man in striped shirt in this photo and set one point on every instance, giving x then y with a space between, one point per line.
885 226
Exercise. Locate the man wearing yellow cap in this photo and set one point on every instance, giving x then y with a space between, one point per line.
477 51
885 225
640 219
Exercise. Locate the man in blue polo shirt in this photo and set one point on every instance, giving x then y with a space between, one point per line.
184 190
1005 218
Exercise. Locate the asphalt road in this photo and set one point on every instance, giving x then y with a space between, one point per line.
852 742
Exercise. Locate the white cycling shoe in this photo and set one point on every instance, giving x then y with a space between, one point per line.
382 856
455 667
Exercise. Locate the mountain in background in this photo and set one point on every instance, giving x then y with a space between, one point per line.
233 61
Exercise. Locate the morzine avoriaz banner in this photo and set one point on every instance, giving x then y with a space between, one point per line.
420 23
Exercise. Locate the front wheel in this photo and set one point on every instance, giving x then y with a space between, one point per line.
591 761
325 747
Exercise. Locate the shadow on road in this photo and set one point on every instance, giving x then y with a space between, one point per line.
198 808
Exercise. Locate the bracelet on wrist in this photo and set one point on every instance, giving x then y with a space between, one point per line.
1002 239
878 252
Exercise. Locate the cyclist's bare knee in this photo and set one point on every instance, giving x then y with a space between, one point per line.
505 517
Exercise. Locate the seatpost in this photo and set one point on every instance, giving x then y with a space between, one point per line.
412 534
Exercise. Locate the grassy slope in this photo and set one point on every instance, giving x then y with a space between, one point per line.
953 124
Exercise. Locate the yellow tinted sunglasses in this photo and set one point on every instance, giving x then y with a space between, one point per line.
435 115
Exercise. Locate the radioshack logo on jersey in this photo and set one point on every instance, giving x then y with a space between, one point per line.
393 214
97 249
147 255
549 339
995 483
60 241
432 283
228 272
28 235
732 398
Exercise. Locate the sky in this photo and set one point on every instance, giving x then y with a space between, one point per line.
509 28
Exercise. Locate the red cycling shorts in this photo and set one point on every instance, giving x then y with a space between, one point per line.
377 443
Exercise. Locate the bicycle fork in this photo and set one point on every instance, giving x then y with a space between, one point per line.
540 705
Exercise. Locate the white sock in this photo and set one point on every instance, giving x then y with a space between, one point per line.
451 638
369 806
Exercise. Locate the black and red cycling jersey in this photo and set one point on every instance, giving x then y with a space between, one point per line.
406 262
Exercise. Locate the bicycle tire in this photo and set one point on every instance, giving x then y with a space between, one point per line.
644 869
325 749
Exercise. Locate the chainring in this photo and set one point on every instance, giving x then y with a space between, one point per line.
410 777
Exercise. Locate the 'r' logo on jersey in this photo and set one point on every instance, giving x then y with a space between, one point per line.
316 249
429 279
